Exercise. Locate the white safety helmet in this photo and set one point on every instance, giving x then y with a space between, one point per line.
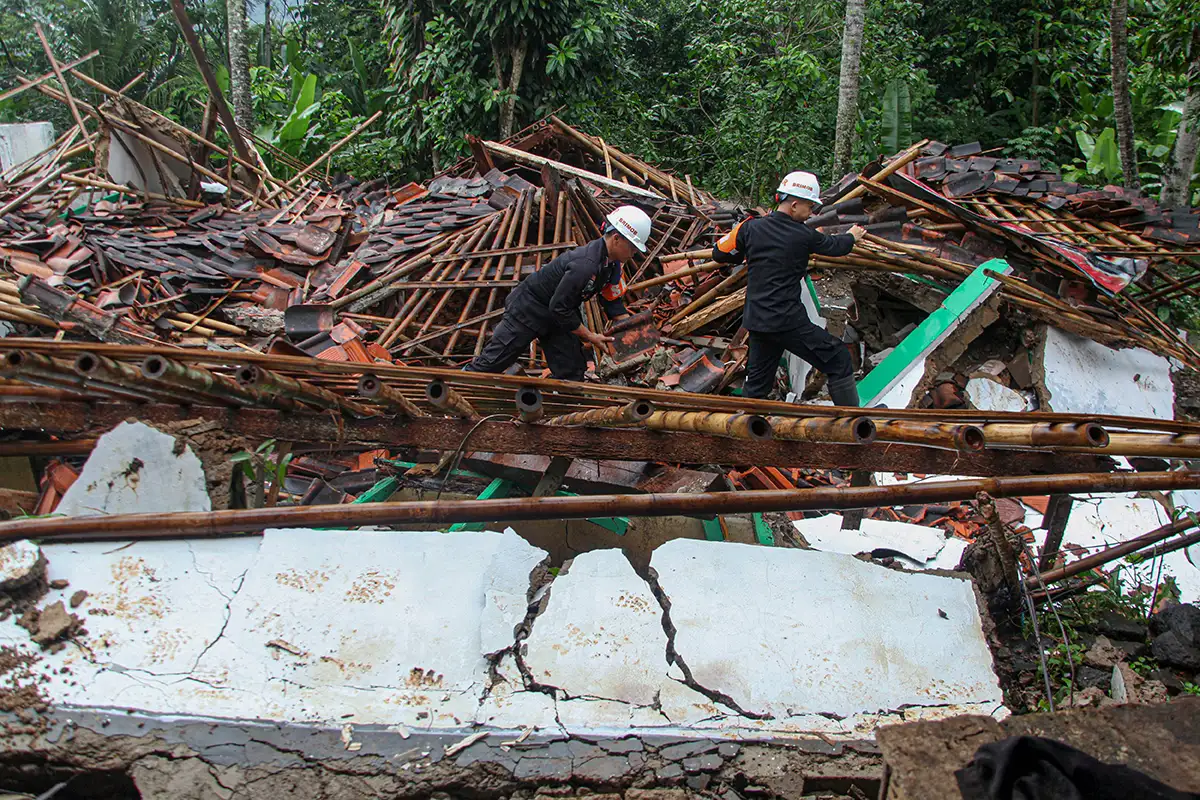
801 184
632 223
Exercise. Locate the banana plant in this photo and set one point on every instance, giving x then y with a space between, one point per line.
897 117
1100 153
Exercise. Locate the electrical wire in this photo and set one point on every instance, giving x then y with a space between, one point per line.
1037 635
458 453
1054 610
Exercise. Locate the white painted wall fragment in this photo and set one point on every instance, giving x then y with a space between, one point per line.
899 395
924 547
136 469
396 628
989 395
1084 377
21 141
813 632
18 561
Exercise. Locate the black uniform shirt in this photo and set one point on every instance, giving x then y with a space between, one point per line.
775 249
548 300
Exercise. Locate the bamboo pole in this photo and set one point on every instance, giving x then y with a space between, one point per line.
902 159
219 523
737 426
158 369
273 383
657 280
964 438
1117 551
370 387
29 84
324 156
529 404
114 187
17 201
210 80
845 430
446 398
628 415
731 281
1087 434
62 81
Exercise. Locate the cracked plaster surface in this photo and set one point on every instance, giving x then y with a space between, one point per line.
436 631
806 633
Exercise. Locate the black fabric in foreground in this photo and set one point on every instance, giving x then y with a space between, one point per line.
1032 768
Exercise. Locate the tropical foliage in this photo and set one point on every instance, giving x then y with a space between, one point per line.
732 92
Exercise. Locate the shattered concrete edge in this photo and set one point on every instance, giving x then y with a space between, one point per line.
223 758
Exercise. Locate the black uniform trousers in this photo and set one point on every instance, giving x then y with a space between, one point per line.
564 350
813 344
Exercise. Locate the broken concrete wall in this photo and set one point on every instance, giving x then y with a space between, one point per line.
436 631
1082 377
135 468
21 141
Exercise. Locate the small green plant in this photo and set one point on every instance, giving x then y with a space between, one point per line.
268 461
1143 665
1191 688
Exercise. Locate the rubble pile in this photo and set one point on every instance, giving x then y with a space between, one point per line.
169 272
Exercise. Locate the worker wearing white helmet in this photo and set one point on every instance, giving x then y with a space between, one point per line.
776 250
546 305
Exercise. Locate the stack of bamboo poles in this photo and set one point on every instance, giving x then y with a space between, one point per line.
162 374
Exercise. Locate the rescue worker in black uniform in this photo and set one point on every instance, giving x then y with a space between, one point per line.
776 249
545 306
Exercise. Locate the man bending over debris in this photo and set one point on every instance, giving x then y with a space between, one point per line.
545 306
776 249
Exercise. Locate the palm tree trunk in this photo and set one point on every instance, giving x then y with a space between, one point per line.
239 64
1122 105
1035 90
1176 190
847 113
266 57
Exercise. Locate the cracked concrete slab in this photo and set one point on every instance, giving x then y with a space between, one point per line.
802 633
151 611
387 627
601 635
425 631
136 469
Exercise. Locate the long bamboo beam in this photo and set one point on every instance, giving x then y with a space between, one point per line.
1117 551
221 523
482 386
85 419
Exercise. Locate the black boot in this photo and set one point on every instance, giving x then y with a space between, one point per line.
844 391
